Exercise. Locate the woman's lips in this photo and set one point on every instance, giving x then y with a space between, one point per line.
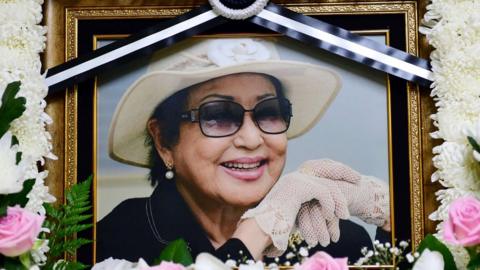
246 169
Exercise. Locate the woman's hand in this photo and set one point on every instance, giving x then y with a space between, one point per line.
312 225
368 200
367 197
277 212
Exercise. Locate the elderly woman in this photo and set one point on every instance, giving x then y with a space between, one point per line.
217 117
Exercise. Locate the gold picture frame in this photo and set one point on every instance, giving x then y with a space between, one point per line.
62 18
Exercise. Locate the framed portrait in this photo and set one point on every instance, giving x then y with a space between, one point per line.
375 124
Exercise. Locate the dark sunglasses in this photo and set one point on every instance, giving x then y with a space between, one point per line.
223 118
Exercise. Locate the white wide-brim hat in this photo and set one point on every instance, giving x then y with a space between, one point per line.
310 88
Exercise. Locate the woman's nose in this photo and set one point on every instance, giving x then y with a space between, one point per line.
249 136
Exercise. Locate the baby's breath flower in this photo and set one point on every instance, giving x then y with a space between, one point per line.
289 255
231 263
303 252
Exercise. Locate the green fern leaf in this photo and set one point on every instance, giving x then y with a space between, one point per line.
66 221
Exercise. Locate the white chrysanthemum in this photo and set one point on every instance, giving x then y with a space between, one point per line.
450 85
453 28
39 250
460 256
12 177
35 141
39 195
30 38
473 130
25 11
20 42
18 59
456 166
446 197
453 119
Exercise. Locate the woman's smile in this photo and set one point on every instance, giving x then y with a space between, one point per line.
245 168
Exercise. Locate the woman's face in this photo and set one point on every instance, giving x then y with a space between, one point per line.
203 165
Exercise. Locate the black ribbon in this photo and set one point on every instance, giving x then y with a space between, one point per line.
308 21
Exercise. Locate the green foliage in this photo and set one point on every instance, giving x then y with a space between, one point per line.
66 265
65 221
474 254
177 252
13 199
12 264
474 143
433 244
11 107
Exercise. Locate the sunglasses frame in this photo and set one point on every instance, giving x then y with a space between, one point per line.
193 116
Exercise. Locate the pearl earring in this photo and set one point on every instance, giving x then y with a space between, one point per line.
169 174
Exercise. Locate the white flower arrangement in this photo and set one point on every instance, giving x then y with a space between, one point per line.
21 41
453 28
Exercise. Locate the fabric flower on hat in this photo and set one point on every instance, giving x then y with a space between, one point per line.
18 231
235 51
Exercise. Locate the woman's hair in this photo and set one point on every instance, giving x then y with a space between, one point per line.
168 116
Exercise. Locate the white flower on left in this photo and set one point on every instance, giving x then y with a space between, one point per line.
12 174
117 264
429 260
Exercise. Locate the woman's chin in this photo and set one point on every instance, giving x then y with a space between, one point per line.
245 203
244 198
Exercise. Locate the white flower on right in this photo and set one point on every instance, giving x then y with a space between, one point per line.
429 260
12 174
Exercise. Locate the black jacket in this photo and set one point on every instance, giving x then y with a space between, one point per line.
125 232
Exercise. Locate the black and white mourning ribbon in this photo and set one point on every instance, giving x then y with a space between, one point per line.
144 43
297 26
344 43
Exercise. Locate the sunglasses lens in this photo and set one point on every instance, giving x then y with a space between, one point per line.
222 118
273 115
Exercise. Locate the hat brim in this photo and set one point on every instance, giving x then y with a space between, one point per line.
310 89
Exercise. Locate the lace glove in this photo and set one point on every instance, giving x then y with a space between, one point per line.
277 212
311 223
368 200
367 197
